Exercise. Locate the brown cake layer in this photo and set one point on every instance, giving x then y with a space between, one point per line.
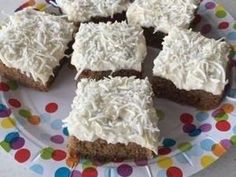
200 99
100 150
15 74
153 39
98 75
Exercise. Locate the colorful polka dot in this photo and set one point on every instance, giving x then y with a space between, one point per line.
205 127
184 147
165 162
58 155
225 143
65 131
62 172
34 120
11 136
223 25
218 150
37 169
56 124
8 123
207 160
51 107
174 172
124 170
207 144
206 29
223 126
186 118
233 140
90 172
210 5
58 139
14 103
221 13
17 143
25 113
168 142
46 153
4 112
22 155
196 132
76 173
4 87
188 128
164 150
6 146
202 116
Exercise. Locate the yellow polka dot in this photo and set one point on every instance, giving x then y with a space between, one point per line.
8 123
207 160
165 162
219 7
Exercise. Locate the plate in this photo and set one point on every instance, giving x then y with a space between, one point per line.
31 129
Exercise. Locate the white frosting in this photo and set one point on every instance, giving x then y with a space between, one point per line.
118 110
193 62
162 14
84 10
106 46
34 42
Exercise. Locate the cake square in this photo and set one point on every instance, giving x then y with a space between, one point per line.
191 69
33 46
94 10
113 119
160 16
104 49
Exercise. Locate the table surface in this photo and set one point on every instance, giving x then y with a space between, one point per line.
225 166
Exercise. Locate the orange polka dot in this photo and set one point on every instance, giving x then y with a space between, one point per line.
218 150
35 120
228 108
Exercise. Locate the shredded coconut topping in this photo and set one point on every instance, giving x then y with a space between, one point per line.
106 46
118 110
84 10
162 14
193 62
34 42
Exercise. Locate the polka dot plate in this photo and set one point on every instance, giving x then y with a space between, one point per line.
31 129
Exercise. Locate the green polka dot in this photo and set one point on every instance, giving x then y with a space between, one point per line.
13 85
221 13
6 146
233 140
221 116
25 113
160 114
184 147
46 153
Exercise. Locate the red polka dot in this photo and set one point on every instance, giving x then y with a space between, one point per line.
223 126
58 155
4 87
223 25
14 102
186 118
90 172
164 151
174 172
22 155
51 107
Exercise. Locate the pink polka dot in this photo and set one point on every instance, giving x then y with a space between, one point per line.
14 102
22 155
205 127
206 29
58 139
51 107
76 173
125 170
225 143
210 5
223 25
223 126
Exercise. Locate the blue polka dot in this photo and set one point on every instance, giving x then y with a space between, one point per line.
161 173
2 107
45 118
195 151
65 131
231 36
11 136
181 159
168 142
62 172
202 116
37 169
195 132
207 144
56 124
